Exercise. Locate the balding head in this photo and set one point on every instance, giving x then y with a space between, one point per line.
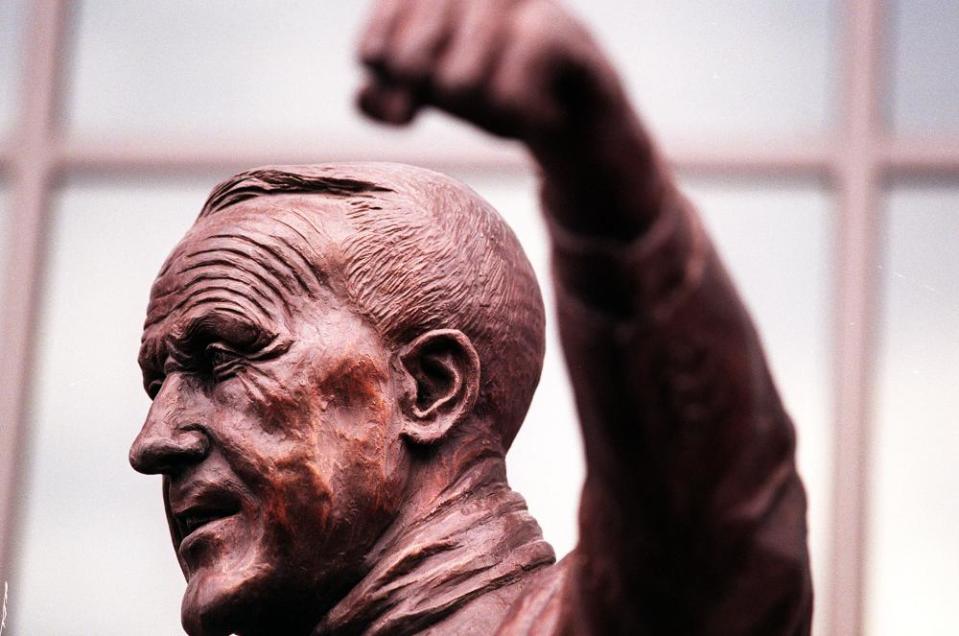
418 251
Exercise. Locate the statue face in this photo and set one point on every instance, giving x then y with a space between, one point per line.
273 424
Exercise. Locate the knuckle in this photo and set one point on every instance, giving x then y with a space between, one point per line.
410 64
463 73
457 84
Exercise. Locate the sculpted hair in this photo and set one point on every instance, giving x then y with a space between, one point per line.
427 253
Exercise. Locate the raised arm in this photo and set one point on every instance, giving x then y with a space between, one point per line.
693 516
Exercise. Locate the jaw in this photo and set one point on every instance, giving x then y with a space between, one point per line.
242 581
230 577
221 600
250 603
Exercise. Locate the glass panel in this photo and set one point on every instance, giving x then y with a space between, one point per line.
913 554
12 21
696 67
277 69
721 69
925 86
94 552
775 239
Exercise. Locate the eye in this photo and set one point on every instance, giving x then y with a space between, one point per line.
223 361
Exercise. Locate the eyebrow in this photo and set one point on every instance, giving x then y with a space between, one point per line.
211 293
219 322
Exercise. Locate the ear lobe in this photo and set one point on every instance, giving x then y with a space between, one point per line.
441 378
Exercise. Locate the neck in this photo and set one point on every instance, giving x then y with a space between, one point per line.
464 468
453 542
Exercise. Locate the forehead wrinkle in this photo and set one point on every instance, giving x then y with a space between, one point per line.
305 262
265 262
258 264
310 266
309 221
291 222
232 266
200 278
277 257
203 295
190 301
246 263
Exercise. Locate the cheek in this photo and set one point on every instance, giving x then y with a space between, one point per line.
274 396
354 439
334 491
331 434
268 432
361 436
322 442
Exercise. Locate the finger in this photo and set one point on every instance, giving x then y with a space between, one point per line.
374 43
388 103
524 81
422 33
472 49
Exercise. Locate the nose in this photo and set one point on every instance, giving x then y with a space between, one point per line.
173 436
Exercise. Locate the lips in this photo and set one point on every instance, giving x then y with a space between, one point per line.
192 520
199 509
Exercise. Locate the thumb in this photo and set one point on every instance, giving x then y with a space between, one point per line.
387 102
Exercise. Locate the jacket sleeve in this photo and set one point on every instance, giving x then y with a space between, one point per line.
692 518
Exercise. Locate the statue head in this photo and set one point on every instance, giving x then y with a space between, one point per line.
326 348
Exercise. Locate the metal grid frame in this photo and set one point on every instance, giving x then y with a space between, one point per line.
855 161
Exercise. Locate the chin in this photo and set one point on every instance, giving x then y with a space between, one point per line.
218 603
253 601
228 582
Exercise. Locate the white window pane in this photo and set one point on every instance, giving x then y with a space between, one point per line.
696 67
231 66
775 239
260 68
913 552
719 69
94 554
925 53
12 22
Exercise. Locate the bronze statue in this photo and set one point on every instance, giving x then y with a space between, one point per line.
339 357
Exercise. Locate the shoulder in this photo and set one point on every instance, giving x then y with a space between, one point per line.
538 610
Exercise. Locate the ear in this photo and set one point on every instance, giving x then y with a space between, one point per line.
440 372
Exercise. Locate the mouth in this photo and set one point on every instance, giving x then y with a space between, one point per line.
192 519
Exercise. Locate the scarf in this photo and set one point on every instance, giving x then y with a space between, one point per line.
477 538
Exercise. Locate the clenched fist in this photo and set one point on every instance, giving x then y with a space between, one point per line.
516 68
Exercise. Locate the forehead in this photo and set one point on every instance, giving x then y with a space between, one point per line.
262 257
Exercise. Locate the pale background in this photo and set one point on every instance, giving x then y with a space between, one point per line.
91 551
